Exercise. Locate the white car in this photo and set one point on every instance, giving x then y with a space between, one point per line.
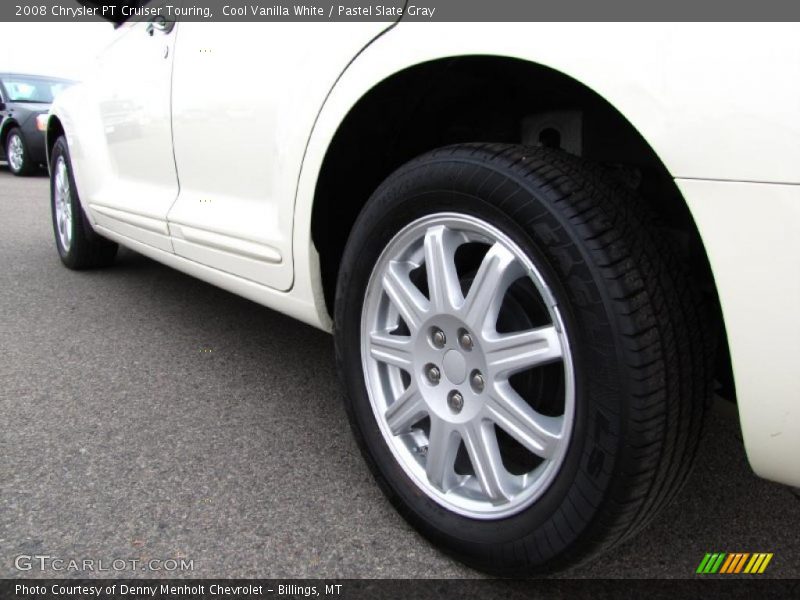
540 247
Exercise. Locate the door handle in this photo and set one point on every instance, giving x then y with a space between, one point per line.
159 23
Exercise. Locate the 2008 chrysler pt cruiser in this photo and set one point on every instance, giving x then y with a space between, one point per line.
540 247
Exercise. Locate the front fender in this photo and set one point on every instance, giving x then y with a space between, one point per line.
725 110
76 111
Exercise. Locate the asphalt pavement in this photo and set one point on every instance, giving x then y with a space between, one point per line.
147 415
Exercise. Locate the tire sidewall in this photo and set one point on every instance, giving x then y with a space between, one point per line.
67 256
402 201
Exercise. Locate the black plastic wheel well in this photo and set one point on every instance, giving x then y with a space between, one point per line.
486 99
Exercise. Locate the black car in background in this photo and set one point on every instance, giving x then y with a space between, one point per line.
22 99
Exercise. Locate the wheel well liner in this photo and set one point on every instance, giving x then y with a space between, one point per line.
482 99
54 130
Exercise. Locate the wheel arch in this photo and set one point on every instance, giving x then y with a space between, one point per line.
55 129
483 98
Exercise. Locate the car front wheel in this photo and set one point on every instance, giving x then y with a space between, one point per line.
77 243
525 363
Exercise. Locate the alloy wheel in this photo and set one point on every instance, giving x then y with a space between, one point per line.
467 365
63 204
15 152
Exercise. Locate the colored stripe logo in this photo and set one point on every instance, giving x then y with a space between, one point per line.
734 562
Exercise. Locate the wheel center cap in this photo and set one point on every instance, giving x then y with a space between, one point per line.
455 367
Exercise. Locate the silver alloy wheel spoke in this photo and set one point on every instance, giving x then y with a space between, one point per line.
391 349
450 368
537 432
498 270
443 443
407 410
440 250
407 298
513 352
62 203
480 440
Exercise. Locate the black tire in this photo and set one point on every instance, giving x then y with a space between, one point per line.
27 167
641 351
87 249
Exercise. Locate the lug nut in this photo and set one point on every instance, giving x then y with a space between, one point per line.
433 374
465 339
455 401
477 381
438 337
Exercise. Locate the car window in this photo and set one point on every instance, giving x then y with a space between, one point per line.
32 89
